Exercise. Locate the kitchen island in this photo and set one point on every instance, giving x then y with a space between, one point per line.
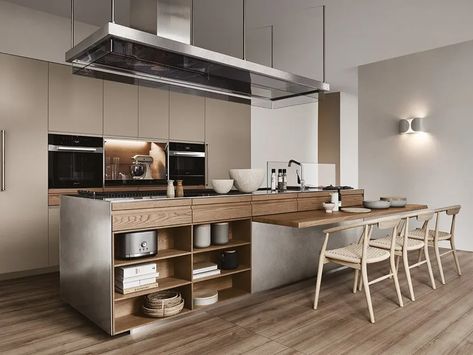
88 259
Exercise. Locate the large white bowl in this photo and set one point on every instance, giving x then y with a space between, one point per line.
247 180
222 186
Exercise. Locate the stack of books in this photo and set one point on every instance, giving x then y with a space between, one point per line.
136 278
204 269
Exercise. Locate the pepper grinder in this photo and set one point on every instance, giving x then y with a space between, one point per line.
179 189
170 190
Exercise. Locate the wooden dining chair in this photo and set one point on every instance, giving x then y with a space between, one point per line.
436 236
359 255
404 245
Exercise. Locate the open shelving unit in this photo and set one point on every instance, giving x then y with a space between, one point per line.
175 259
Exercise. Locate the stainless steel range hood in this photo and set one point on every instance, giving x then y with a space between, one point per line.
125 54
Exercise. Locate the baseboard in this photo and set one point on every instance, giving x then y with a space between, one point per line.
26 273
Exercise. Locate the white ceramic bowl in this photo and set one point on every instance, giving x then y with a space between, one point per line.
376 205
328 206
222 186
205 297
247 180
396 201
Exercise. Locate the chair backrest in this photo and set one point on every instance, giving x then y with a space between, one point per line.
450 211
424 216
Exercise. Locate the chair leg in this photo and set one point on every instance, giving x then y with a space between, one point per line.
396 280
439 262
397 262
360 285
405 262
364 274
319 281
455 257
429 266
355 283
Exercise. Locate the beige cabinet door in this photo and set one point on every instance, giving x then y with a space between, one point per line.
24 203
153 113
75 102
228 136
187 117
120 111
53 235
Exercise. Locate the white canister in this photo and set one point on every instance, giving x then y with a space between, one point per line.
220 233
170 191
335 200
202 236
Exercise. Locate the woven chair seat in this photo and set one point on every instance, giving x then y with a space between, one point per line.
419 234
385 243
352 254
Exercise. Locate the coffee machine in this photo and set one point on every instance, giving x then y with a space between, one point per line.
141 167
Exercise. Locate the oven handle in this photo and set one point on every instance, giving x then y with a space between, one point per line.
2 159
63 148
174 153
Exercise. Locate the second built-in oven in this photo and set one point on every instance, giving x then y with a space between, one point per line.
187 163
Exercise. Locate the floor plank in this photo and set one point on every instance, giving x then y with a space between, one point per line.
35 321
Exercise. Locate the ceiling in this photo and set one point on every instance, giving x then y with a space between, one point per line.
94 12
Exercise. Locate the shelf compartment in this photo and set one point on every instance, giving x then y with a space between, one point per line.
231 244
172 242
163 284
241 268
128 314
173 272
228 286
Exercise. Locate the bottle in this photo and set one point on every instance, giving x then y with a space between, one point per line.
179 189
273 180
170 190
284 180
280 182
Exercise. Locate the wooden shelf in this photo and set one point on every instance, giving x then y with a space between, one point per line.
230 244
241 268
125 323
162 254
163 284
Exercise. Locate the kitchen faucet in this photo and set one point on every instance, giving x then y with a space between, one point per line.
300 180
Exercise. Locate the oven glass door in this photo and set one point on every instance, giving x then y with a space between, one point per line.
75 169
191 169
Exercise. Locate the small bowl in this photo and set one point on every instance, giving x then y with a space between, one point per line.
222 186
377 204
395 201
328 207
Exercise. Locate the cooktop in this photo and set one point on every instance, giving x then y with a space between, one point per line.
138 195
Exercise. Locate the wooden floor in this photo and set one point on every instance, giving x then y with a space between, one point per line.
33 320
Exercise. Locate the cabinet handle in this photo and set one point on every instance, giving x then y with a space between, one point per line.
2 159
206 165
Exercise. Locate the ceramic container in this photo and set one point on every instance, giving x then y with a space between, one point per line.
376 204
328 207
229 260
205 297
222 186
220 233
202 236
247 180
179 189
170 193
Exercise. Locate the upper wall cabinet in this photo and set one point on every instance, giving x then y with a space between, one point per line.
187 117
120 111
228 135
218 26
153 113
75 102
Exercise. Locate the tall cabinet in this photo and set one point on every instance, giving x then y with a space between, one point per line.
23 203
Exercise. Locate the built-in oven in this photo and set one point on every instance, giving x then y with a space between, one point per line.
187 163
75 161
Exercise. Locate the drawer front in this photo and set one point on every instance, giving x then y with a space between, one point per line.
352 200
151 218
211 213
274 207
311 203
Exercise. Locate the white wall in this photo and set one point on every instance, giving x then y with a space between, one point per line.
434 168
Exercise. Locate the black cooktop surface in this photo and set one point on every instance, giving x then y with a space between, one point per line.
148 194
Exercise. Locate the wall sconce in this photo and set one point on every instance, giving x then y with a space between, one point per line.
411 125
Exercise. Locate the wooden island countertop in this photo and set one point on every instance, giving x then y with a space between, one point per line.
306 219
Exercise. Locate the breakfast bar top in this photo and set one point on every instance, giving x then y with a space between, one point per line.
316 218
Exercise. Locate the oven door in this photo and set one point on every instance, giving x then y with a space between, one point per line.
187 166
75 167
